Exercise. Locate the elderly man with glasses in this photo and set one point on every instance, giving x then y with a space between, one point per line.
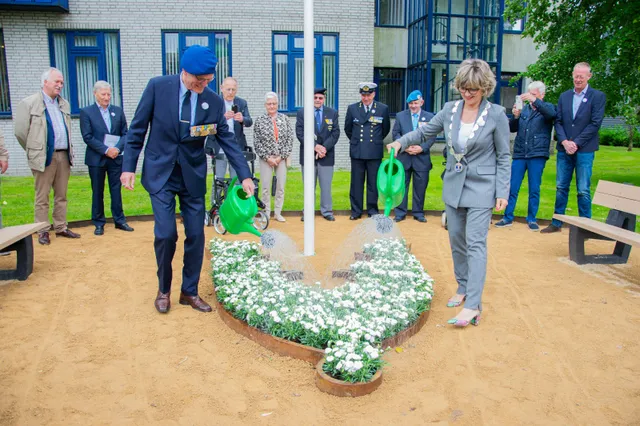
181 111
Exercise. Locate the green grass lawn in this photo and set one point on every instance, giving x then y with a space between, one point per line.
612 163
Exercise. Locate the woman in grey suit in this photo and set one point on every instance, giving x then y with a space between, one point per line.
476 178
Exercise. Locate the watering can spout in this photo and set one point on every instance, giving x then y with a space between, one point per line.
238 210
390 183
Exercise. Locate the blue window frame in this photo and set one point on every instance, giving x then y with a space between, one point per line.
390 90
516 28
174 43
443 33
5 100
288 68
509 91
390 13
85 57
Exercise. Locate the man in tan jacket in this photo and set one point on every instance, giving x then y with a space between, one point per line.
42 126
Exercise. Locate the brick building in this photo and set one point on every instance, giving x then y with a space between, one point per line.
402 44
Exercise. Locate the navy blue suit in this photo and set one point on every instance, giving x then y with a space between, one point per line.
327 136
583 130
175 165
93 129
416 165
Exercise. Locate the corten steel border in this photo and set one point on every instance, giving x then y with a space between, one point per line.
340 388
315 356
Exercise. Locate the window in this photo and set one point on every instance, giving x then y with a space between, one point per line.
288 68
390 90
5 101
509 91
390 13
516 28
85 57
174 44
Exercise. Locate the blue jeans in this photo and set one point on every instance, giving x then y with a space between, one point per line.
534 168
583 165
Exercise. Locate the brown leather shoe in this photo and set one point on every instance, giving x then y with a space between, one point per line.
43 239
195 302
163 302
67 233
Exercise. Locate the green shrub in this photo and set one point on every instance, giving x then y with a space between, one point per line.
618 136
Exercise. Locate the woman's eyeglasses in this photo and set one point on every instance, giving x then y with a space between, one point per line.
470 92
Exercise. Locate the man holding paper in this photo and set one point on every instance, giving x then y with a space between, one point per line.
103 126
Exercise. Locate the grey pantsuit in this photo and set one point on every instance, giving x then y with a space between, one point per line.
324 174
470 195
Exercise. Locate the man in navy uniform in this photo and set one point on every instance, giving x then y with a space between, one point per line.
366 125
415 159
326 133
182 111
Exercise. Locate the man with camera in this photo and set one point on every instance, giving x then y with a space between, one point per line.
237 115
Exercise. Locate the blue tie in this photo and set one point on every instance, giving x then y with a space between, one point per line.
318 119
414 121
185 116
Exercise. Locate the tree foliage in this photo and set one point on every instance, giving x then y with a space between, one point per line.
606 34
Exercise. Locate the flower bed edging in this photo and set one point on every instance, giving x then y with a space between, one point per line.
275 344
315 356
387 296
336 387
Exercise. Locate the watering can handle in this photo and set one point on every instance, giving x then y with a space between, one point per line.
392 160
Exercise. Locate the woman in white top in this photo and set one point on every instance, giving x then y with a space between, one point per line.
476 178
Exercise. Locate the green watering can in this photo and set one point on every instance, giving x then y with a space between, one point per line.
238 210
391 183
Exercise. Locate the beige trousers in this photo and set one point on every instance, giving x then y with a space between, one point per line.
266 171
56 176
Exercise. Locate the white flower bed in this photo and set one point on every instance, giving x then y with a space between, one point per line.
387 294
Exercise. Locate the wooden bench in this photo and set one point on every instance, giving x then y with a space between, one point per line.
624 202
18 239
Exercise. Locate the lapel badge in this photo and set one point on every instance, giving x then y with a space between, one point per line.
113 114
584 100
423 119
373 111
205 106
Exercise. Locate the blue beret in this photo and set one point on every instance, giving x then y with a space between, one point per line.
416 95
199 60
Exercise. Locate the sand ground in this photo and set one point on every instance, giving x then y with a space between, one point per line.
82 343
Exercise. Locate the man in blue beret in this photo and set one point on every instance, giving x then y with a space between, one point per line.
182 111
416 158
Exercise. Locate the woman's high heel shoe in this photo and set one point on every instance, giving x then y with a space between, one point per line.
455 303
463 323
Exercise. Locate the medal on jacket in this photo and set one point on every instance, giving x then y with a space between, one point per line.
480 122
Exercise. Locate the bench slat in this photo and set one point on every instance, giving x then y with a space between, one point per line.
11 234
618 234
618 196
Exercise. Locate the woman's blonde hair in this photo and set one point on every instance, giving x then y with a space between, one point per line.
475 74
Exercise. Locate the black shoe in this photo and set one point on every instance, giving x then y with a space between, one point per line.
99 230
550 229
421 219
124 227
302 219
330 218
399 218
355 216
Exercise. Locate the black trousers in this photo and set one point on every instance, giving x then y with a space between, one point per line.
112 170
420 183
359 170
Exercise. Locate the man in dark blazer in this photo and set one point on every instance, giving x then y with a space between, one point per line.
238 117
366 125
182 111
103 127
326 133
578 119
415 159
